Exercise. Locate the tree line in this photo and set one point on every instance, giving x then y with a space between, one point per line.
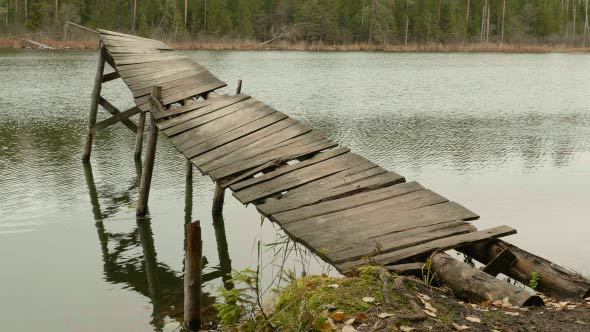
326 21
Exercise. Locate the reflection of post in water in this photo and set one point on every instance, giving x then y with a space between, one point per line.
92 191
222 250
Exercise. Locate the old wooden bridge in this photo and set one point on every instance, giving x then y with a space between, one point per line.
343 207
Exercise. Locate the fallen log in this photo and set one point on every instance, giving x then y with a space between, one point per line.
554 280
39 45
477 286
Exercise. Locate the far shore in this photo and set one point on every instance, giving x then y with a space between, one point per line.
250 45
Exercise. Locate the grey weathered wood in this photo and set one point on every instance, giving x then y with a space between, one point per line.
209 113
299 177
139 136
365 222
115 112
251 138
193 260
287 152
150 155
345 203
218 199
232 135
110 77
432 246
353 250
116 118
209 105
171 96
168 85
477 286
293 201
290 168
406 268
87 149
554 279
239 87
500 263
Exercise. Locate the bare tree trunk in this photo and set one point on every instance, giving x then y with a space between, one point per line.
26 12
363 19
407 23
483 21
574 26
56 9
467 18
585 21
185 12
488 25
504 14
205 18
134 15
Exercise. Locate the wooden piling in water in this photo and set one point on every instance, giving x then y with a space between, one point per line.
139 136
94 105
192 276
150 155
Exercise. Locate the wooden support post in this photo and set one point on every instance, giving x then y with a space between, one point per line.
139 136
477 286
150 155
150 261
188 195
218 199
189 169
239 87
192 276
222 250
554 280
94 105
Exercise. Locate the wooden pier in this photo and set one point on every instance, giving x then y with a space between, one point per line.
343 207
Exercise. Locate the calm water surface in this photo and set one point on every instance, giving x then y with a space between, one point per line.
508 136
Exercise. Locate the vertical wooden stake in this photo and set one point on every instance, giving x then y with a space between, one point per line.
218 199
94 105
139 135
239 87
189 169
192 276
150 155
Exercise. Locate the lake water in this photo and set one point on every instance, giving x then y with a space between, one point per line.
506 135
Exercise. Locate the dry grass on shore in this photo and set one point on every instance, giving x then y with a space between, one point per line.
248 45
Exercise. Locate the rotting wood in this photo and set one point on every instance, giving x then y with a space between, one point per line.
139 136
500 263
192 276
478 286
406 268
554 280
87 149
432 246
150 155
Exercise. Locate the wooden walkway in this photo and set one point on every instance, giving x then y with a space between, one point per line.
345 208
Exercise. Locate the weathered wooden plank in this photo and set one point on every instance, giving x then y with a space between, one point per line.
104 32
153 64
169 85
351 251
299 177
123 60
293 201
162 80
209 105
177 93
235 134
346 203
177 65
280 139
221 125
432 246
251 138
289 168
406 268
189 105
115 119
114 111
136 81
285 152
399 214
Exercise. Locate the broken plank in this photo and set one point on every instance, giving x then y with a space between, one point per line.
432 246
500 263
290 202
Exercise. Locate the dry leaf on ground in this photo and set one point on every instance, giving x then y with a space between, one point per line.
338 316
460 327
429 306
348 328
429 313
405 328
333 286
512 313
473 319
368 299
384 315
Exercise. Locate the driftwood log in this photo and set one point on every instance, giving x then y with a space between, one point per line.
477 286
554 280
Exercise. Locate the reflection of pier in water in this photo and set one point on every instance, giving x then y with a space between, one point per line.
144 274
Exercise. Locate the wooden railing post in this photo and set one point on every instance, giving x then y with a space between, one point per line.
150 155
192 276
139 136
94 105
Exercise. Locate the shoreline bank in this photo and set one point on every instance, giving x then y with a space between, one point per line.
92 44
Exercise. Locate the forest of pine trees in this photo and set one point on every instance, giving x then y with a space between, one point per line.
325 21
